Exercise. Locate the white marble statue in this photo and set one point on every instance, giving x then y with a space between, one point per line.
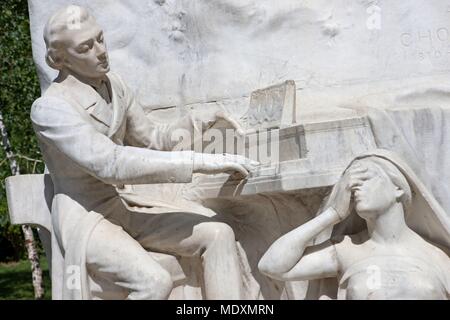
95 138
387 259
334 81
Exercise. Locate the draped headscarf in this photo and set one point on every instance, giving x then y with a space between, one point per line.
424 214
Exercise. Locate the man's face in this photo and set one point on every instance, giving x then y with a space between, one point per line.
85 52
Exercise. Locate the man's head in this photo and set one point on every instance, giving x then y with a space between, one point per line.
75 43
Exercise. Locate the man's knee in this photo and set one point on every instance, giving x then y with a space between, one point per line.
218 232
156 285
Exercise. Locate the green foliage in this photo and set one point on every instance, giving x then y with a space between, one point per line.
15 280
19 87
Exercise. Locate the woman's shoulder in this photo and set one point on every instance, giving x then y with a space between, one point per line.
439 254
349 248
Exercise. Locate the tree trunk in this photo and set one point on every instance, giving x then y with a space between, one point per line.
30 243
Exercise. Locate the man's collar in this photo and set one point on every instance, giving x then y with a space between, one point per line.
84 93
94 83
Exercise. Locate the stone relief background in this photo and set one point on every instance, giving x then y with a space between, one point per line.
208 54
177 52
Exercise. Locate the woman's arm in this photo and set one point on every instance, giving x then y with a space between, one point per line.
292 257
289 257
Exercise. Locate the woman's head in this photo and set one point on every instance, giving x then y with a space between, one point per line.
379 187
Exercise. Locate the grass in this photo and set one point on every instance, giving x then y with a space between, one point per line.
15 280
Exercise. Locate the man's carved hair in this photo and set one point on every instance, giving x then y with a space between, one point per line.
64 20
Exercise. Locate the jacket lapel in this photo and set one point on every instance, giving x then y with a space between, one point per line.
84 94
100 111
92 105
118 104
88 100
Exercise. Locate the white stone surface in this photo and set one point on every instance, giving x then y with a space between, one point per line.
367 74
182 52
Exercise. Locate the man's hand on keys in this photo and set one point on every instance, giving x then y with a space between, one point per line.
236 165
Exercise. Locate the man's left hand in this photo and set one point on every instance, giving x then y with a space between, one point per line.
225 120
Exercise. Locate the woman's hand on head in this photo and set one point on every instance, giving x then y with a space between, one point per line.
340 197
359 173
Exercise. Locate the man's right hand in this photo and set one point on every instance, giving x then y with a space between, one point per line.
227 163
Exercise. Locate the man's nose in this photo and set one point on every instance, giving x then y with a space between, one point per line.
100 49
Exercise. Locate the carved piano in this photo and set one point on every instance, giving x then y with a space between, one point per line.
294 156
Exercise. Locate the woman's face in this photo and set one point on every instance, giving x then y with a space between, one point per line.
373 192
